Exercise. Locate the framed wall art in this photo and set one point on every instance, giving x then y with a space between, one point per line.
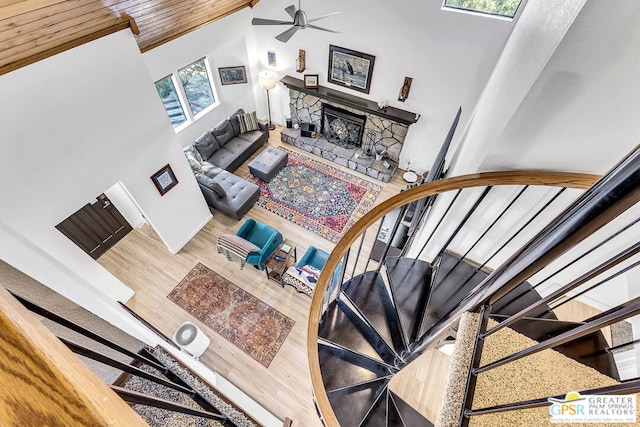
164 179
350 68
271 58
232 75
311 81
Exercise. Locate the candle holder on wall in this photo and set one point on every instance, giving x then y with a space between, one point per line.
404 90
300 61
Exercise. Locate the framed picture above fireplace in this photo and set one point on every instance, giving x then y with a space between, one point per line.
350 68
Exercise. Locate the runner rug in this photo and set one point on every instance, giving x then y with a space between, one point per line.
242 319
316 196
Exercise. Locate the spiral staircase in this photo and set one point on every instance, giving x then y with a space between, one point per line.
514 246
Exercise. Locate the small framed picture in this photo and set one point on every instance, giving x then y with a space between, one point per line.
232 75
311 81
271 58
164 179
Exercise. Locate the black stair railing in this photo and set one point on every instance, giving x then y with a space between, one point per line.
614 194
387 277
170 380
484 237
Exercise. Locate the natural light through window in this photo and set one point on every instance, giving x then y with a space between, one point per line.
195 81
505 8
167 91
186 93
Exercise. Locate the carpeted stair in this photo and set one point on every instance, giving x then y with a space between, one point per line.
157 417
515 381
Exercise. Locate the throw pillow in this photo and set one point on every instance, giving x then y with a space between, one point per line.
248 122
193 162
307 278
210 170
217 188
223 132
206 145
203 180
233 119
209 183
311 270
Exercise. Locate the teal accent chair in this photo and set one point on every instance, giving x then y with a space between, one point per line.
263 236
317 258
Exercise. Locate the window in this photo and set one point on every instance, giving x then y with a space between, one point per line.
506 8
167 91
187 93
195 81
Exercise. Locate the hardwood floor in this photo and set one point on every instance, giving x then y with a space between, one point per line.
143 263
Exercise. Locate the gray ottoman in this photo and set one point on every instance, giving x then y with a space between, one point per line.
268 163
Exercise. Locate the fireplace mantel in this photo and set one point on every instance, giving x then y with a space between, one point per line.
371 107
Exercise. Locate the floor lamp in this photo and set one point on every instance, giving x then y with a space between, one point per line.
267 81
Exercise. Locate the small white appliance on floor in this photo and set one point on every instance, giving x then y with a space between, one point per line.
191 339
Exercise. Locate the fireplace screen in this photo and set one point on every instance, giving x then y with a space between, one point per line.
342 127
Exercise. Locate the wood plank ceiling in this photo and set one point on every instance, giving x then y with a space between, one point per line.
31 30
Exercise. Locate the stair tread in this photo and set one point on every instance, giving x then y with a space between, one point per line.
409 416
364 291
411 283
456 278
339 329
377 416
351 409
341 370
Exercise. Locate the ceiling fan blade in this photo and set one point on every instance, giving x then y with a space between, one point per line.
315 27
324 16
284 37
291 10
261 21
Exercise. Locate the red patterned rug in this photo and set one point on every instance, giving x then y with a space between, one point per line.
316 196
242 319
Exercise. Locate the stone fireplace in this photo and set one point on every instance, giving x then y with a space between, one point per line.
352 129
342 127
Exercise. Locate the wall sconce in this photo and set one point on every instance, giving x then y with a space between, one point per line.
300 61
404 90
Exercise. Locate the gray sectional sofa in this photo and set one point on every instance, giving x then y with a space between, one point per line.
217 153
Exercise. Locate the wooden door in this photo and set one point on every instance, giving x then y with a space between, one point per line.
95 227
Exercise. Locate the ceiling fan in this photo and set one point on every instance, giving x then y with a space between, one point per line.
300 22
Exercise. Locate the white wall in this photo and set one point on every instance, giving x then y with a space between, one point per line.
226 43
121 199
450 56
564 95
76 124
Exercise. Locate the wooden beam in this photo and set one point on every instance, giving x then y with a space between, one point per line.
54 50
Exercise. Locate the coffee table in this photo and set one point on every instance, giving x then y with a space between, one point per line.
278 262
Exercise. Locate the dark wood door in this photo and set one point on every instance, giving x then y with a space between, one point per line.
95 227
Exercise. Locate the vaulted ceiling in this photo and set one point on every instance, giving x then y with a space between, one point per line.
31 30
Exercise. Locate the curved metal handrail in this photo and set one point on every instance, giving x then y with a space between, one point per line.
541 178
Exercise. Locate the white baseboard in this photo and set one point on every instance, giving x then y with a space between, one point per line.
140 223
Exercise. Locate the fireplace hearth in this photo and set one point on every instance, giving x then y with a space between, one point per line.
342 127
341 138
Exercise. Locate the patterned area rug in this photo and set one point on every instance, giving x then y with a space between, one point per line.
317 196
242 319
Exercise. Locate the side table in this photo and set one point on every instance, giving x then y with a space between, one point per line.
278 262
